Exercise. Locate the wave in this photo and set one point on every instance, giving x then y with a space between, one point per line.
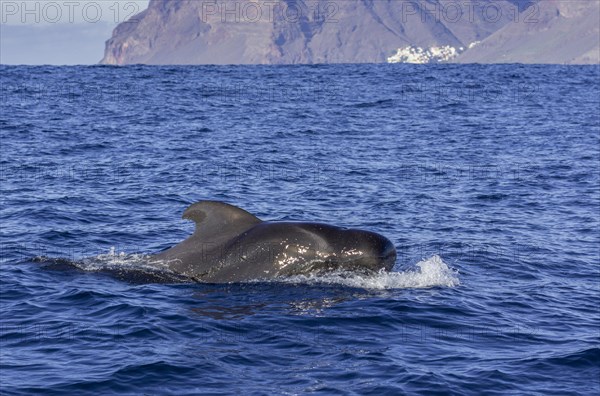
384 103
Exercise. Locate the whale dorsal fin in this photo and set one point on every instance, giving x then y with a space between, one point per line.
217 219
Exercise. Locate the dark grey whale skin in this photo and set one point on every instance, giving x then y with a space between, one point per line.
231 245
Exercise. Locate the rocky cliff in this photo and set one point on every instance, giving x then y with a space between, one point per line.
319 31
554 31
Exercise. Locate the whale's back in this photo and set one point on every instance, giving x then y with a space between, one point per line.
217 223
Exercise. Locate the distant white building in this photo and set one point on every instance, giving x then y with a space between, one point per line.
412 54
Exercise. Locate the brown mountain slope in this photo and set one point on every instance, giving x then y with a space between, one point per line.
559 31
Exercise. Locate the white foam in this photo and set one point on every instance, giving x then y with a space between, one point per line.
431 272
112 259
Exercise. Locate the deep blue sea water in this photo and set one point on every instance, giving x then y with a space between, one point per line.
486 178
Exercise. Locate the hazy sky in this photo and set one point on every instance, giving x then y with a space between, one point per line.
60 32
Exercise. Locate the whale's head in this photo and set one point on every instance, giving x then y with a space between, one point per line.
324 248
364 250
292 248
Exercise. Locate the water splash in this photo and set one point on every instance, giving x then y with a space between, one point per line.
431 272
114 259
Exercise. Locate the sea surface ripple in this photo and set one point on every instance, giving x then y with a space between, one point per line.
486 178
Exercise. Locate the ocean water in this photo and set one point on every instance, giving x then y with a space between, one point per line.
486 178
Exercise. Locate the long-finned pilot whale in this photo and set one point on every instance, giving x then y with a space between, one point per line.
232 245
